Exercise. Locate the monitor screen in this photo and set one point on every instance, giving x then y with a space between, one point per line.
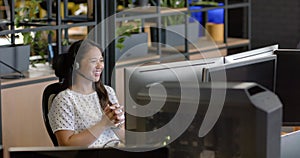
288 84
83 152
252 54
261 71
248 125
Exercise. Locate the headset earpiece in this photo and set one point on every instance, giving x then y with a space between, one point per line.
77 66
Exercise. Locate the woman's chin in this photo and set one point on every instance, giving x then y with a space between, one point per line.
96 79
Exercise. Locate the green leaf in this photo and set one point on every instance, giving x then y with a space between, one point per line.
121 39
120 46
65 42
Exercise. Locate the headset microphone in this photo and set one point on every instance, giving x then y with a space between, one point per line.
76 67
82 75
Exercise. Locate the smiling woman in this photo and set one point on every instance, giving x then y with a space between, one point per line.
91 66
86 113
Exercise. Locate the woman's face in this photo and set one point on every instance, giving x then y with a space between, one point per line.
92 64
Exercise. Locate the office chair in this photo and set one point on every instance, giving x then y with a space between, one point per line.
52 90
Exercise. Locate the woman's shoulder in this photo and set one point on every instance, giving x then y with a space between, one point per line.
63 94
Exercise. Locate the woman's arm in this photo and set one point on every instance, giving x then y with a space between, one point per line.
84 138
120 132
119 128
87 136
120 119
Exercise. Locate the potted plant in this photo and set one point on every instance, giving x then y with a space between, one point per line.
130 41
173 26
25 14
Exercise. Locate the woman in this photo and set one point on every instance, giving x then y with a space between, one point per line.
87 112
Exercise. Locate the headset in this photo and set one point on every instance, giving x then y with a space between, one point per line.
76 66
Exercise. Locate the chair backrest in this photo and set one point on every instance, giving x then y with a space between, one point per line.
61 70
49 93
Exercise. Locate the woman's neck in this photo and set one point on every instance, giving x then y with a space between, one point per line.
83 88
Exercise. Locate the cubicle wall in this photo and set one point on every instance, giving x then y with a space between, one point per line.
22 119
0 113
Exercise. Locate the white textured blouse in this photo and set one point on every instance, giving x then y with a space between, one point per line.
76 112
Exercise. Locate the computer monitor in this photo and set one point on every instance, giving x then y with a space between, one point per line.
183 71
252 54
248 126
83 152
174 71
261 70
288 85
14 59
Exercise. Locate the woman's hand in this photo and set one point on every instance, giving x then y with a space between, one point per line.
115 114
120 118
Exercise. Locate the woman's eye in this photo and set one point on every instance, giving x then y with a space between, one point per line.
96 61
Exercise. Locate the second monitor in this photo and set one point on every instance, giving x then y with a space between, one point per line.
261 71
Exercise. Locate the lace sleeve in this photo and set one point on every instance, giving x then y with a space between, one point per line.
111 95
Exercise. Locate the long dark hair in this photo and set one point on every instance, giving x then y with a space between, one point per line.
76 52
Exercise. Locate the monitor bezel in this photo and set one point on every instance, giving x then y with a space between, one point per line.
179 64
207 71
252 54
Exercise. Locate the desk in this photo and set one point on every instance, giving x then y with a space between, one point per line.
21 105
